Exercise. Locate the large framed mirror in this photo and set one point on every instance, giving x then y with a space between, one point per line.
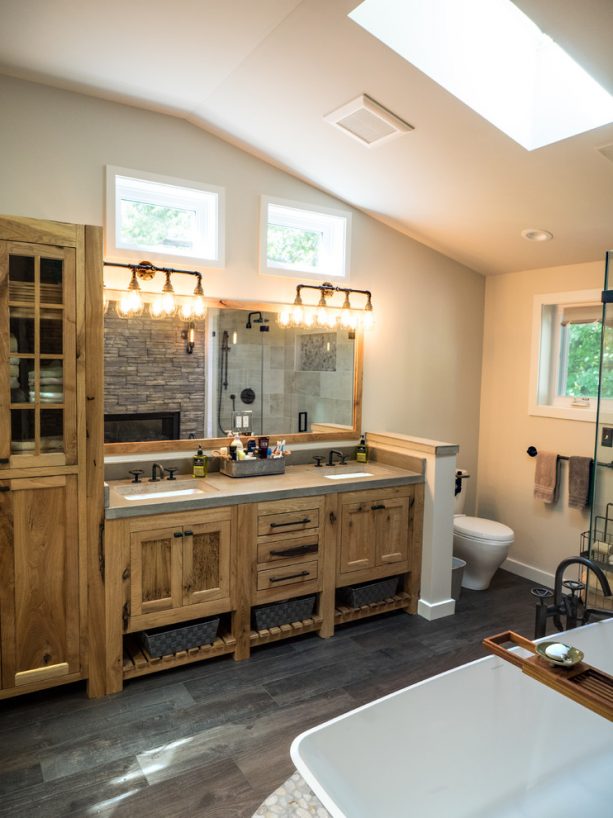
169 383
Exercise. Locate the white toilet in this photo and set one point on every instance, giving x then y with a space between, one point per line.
482 544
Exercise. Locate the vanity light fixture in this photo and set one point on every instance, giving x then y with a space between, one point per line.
131 305
325 316
165 304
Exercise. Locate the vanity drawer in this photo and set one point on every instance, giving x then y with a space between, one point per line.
287 550
289 575
299 520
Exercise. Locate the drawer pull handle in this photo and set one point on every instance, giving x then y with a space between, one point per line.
378 507
290 576
188 533
297 549
293 522
178 534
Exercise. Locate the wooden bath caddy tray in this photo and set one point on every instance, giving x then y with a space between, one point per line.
582 683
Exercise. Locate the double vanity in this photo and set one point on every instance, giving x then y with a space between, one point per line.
86 571
179 550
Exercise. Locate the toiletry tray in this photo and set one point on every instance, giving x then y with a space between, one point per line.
582 683
283 613
368 593
252 468
164 641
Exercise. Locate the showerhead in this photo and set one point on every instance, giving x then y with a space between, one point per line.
259 320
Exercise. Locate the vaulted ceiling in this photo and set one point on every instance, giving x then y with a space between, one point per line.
264 74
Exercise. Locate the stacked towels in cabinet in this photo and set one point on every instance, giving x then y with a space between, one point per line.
14 364
51 384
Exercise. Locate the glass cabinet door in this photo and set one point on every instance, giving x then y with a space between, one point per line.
37 355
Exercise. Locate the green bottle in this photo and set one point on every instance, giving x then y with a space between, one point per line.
361 452
200 467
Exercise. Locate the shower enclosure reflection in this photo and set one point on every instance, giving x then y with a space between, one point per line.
284 380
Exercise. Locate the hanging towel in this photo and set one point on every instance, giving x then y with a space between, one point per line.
546 477
579 472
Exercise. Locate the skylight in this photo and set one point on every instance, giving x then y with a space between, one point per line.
492 57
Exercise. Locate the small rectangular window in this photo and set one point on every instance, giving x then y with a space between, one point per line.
158 217
303 241
567 335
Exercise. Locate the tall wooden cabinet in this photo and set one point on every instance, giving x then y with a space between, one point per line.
46 270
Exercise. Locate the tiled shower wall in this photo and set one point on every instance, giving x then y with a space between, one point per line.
146 369
289 370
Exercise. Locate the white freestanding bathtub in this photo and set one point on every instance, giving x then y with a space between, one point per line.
483 740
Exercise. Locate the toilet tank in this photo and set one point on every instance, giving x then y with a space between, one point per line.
460 476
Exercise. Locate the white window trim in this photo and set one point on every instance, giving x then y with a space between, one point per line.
295 270
116 251
561 408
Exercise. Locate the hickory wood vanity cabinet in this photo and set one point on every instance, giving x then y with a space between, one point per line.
171 568
49 277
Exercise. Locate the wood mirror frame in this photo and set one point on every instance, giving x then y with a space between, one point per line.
323 431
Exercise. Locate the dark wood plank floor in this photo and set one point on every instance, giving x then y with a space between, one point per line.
212 739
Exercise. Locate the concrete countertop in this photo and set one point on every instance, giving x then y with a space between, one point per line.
220 490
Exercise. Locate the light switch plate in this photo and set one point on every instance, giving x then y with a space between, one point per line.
607 437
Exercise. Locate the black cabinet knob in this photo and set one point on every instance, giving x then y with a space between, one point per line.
136 473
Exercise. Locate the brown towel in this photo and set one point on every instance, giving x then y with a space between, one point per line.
546 477
579 470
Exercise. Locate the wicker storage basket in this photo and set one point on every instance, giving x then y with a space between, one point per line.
368 592
282 613
162 641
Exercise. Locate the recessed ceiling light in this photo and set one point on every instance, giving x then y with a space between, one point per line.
496 60
534 234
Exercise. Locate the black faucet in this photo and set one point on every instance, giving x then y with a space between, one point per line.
571 606
154 469
331 454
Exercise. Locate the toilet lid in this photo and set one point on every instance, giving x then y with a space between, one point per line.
480 528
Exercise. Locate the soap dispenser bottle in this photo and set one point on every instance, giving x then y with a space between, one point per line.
237 450
361 452
200 464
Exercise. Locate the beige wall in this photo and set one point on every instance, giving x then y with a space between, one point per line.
423 359
543 534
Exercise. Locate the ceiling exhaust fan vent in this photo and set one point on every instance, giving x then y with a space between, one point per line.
367 121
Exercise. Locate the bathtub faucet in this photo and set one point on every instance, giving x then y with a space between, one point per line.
571 606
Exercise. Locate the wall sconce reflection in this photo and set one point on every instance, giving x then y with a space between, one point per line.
189 336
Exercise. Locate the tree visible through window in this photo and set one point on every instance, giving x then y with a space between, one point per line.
291 245
584 360
156 225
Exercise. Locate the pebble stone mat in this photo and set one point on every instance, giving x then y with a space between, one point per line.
293 799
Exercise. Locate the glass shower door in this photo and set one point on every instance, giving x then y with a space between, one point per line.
598 541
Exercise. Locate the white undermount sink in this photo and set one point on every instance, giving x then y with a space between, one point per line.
164 490
348 475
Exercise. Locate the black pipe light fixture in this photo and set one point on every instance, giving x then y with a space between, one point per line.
164 305
325 315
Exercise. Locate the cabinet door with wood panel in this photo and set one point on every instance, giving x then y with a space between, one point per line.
374 537
38 417
179 571
39 592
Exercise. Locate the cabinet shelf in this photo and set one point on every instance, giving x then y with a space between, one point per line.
344 614
137 661
285 631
